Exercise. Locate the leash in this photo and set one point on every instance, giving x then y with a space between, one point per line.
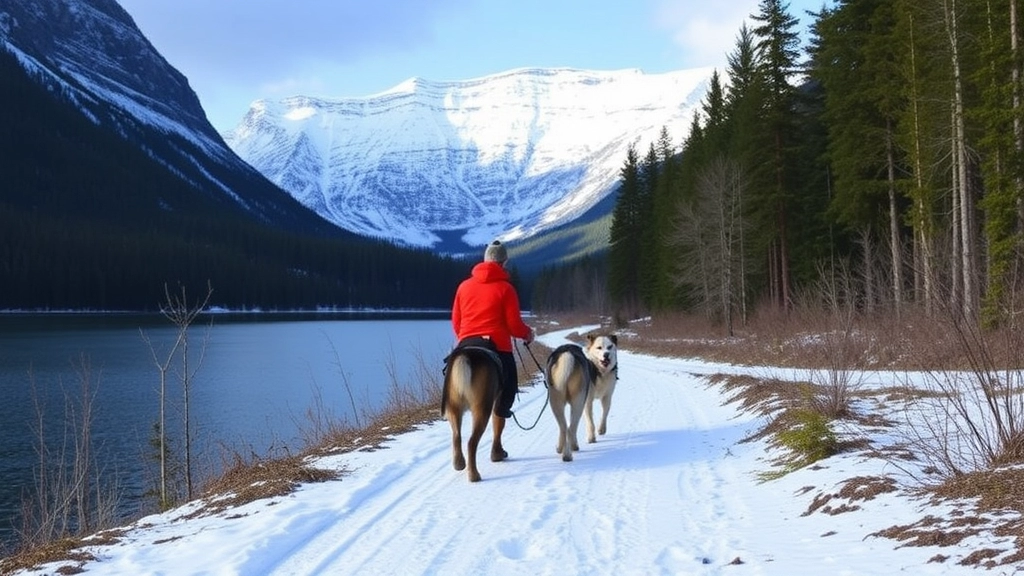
541 413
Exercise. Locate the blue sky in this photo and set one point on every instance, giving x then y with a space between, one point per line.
237 51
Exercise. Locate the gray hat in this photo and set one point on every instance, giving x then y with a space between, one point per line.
495 252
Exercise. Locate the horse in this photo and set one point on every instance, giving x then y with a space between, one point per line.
472 383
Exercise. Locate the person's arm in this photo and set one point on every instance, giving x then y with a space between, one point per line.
514 318
456 315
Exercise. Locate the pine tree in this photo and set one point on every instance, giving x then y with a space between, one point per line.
999 114
777 52
625 235
851 59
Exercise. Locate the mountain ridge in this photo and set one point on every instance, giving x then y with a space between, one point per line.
117 189
508 155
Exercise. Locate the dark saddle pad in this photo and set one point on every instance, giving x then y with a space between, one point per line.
478 345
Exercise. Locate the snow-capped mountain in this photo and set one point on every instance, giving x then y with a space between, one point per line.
91 54
508 155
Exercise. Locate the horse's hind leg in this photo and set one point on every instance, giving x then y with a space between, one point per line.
498 452
455 419
480 417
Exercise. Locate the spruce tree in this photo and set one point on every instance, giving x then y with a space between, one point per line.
777 53
624 236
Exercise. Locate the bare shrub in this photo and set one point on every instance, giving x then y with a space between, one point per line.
837 384
345 382
424 388
974 417
320 421
71 494
181 312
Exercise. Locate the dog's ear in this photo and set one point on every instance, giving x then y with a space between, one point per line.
614 339
590 337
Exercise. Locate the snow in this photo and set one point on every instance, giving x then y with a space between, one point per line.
670 489
507 155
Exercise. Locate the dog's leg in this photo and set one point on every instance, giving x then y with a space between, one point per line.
588 415
606 405
557 402
575 412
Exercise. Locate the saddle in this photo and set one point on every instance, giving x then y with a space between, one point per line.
477 344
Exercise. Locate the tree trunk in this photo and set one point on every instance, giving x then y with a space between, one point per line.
867 252
965 204
1018 127
895 247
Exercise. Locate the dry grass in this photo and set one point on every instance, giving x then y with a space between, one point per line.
810 342
767 340
255 478
990 501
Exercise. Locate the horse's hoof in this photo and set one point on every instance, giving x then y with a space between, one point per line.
474 477
567 457
498 455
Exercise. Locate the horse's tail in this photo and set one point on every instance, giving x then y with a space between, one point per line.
457 379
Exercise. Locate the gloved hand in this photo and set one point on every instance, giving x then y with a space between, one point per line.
530 337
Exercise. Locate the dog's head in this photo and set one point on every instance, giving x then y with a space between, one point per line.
602 351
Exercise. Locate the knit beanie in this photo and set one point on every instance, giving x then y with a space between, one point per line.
495 252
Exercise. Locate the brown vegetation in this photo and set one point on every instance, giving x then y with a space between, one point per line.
987 500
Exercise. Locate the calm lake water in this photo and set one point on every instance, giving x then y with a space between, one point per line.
259 376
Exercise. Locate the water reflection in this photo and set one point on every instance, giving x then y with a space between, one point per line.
256 377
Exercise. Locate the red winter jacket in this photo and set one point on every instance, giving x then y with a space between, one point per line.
486 304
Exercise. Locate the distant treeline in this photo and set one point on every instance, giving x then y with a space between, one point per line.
89 220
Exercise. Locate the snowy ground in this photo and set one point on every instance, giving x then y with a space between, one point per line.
669 490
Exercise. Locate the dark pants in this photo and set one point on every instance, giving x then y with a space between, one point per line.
509 376
509 385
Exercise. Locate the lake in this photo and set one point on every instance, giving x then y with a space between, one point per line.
255 380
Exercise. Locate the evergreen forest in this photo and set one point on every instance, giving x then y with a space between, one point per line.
879 167
90 221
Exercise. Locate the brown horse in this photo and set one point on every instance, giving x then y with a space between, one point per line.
471 384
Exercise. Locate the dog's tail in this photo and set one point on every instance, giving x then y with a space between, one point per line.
560 365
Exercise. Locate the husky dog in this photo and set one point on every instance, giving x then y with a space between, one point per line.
577 377
472 383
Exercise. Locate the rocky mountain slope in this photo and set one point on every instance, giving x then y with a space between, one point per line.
450 165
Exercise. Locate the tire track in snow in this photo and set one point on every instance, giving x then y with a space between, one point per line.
657 465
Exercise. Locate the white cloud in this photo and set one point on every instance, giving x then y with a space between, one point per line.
704 31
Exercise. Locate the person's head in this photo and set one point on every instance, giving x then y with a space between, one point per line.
496 252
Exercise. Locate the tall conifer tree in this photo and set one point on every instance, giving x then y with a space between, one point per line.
777 53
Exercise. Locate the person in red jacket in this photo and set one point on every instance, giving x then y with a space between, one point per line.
486 305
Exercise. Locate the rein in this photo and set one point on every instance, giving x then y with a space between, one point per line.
539 367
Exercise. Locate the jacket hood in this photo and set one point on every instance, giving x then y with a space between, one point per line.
490 272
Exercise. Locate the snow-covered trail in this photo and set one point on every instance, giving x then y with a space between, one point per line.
665 461
669 490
